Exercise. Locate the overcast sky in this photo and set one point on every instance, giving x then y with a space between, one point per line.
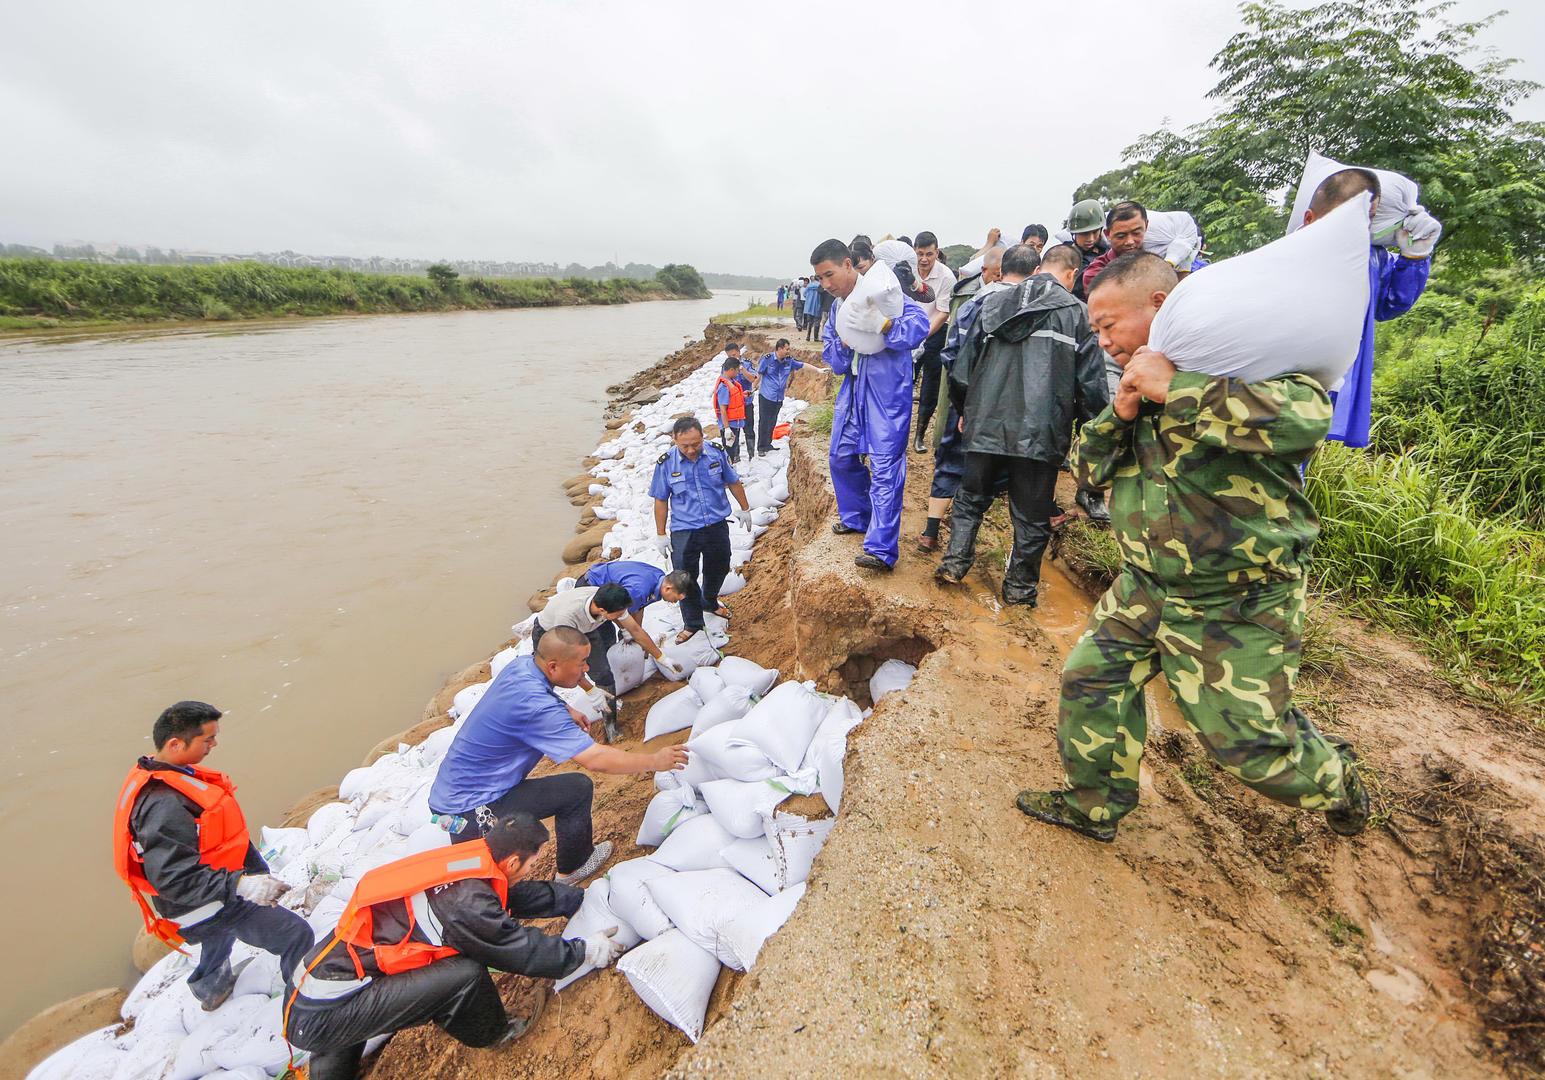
731 136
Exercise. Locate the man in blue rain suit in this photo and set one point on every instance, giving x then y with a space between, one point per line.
1395 279
688 490
812 308
872 416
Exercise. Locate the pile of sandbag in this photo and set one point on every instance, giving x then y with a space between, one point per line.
728 867
382 811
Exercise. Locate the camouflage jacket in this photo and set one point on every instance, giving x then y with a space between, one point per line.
1205 489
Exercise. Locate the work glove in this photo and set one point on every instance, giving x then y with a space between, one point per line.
744 517
597 699
260 889
673 666
601 949
870 321
1418 235
662 544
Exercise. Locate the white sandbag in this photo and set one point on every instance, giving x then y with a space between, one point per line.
741 539
892 252
675 978
760 497
891 677
433 749
595 915
738 671
1172 235
327 820
698 772
91 1057
1399 197
732 758
674 712
631 900
698 902
580 701
741 808
661 620
731 704
753 859
707 684
1295 305
466 698
694 845
778 488
784 722
279 846
795 843
732 584
145 1058
502 659
426 837
691 654
877 290
665 812
630 665
742 936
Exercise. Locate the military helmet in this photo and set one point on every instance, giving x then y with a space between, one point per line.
1086 216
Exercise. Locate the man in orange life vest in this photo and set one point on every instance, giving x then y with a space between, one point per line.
729 408
181 845
415 943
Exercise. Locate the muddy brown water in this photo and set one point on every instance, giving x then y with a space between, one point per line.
309 524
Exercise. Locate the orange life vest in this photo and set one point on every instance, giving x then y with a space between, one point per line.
408 880
222 834
736 409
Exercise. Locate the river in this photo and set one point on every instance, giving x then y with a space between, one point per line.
309 524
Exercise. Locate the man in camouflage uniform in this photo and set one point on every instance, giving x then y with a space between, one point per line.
1209 509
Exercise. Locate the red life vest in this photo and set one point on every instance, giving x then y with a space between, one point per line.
222 834
736 409
408 880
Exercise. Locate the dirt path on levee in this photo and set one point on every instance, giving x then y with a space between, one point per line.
945 934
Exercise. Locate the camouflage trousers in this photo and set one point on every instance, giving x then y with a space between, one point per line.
1231 660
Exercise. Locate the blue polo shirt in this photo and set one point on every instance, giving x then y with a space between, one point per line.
640 579
695 488
517 722
775 375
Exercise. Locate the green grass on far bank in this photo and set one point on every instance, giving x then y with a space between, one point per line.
38 293
755 311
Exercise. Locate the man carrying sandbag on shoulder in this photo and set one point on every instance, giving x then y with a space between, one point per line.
1215 530
416 942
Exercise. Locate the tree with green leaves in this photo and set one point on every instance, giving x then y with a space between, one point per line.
683 280
443 276
1385 83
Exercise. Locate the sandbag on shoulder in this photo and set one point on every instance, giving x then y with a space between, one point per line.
1399 197
630 900
1296 305
673 712
595 915
739 671
675 978
742 936
699 902
784 722
877 290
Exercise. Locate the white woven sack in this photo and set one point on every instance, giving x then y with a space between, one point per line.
595 915
661 619
736 759
699 902
891 677
673 712
753 859
742 936
731 704
1172 236
466 698
1296 305
675 978
666 811
706 683
630 665
795 843
1399 197
695 845
877 290
738 671
741 808
697 651
631 900
732 584
784 722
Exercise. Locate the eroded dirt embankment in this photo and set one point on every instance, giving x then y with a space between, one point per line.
944 934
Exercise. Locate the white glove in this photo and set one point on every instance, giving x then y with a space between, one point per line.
744 517
673 666
601 949
260 889
595 697
870 321
662 544
1418 235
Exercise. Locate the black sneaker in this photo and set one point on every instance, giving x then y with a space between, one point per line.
1052 807
842 530
1351 819
870 562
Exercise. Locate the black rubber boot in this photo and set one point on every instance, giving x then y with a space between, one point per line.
1351 819
1052 807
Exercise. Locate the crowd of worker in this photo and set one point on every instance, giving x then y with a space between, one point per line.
1029 359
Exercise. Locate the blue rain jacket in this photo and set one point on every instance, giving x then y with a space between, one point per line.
873 411
1394 284
813 298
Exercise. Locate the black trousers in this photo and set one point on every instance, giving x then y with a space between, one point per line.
767 418
601 639
274 929
564 797
731 438
704 551
1032 485
811 323
930 368
456 993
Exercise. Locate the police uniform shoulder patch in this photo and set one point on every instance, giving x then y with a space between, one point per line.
663 457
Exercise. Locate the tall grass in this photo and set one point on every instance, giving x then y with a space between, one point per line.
91 291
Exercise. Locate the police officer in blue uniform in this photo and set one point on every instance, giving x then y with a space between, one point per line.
645 583
688 488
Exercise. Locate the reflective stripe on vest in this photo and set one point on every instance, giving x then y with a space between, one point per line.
199 914
313 988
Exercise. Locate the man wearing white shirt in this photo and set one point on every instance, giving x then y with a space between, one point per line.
932 272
